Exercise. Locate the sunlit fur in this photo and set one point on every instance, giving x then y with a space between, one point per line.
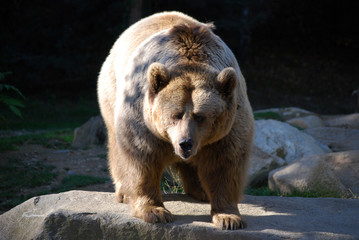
169 77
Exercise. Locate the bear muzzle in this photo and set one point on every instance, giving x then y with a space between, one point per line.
186 147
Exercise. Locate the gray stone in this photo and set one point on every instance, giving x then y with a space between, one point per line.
343 121
337 139
309 174
346 167
285 141
92 132
95 215
310 121
260 164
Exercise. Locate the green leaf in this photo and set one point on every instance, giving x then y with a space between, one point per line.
11 101
17 91
10 87
15 110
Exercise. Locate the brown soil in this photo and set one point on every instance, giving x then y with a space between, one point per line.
91 161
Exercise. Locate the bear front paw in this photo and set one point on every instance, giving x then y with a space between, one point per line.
154 214
226 221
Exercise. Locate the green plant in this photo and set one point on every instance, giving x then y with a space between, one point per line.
352 195
13 103
261 191
171 183
267 115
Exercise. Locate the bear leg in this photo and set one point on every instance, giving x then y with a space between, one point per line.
146 199
223 187
116 170
191 184
137 181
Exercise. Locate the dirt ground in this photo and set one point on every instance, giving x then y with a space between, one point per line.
67 162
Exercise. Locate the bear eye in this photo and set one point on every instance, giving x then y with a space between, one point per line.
199 118
177 116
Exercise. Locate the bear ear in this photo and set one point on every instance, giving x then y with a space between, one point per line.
227 82
158 77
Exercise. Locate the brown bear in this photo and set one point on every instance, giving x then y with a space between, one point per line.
171 92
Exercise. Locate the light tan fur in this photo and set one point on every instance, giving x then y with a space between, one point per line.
171 92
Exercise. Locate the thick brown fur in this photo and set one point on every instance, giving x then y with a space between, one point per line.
171 92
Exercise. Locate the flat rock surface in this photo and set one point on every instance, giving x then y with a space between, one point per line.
96 215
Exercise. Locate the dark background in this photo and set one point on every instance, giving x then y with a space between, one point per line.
292 52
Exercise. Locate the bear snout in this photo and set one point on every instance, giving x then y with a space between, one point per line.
186 146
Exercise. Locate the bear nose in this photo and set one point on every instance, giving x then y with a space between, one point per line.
186 144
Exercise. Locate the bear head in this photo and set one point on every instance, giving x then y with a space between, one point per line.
190 106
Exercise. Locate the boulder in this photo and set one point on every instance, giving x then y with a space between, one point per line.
93 132
346 167
310 174
285 141
343 121
310 121
260 164
96 215
337 139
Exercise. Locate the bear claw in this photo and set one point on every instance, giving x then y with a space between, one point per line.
155 214
122 198
228 221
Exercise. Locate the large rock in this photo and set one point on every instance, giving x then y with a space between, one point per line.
343 121
310 121
91 133
310 174
94 215
338 139
346 167
282 140
260 164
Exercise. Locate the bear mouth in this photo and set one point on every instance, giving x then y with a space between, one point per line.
185 155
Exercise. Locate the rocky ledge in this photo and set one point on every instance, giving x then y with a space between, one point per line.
96 215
